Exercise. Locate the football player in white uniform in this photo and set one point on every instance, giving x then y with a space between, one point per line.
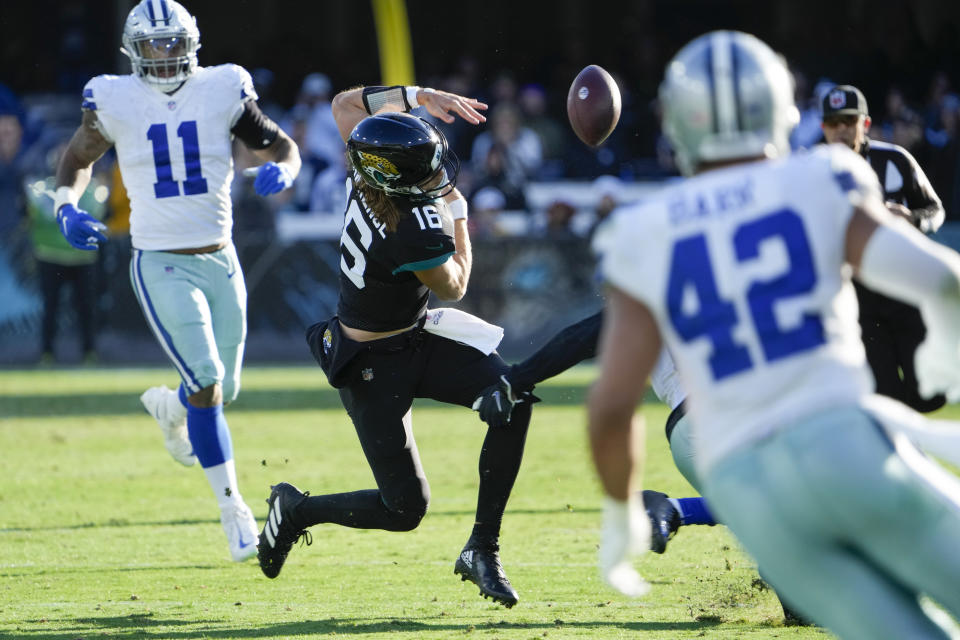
743 271
172 123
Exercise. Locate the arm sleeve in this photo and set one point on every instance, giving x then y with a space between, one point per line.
254 128
570 346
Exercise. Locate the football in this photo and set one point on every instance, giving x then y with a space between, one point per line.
593 105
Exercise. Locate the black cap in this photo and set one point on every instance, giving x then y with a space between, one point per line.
844 99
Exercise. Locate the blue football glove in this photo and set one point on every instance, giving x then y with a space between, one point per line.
271 178
80 229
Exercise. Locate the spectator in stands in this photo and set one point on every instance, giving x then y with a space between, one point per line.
521 146
940 153
607 190
311 125
60 266
487 205
493 173
559 216
553 137
11 174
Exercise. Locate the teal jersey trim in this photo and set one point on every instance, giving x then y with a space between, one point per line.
423 264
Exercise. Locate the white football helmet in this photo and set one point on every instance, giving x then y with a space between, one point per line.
727 95
161 39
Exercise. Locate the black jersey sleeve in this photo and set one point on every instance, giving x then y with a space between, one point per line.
254 127
423 239
924 204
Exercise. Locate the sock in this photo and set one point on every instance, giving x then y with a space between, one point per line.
499 465
182 394
693 511
210 437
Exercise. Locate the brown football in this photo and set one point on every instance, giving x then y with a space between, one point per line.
593 105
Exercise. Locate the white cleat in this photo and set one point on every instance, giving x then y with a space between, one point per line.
164 405
241 529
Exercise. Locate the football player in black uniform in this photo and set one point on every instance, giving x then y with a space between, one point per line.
891 329
405 235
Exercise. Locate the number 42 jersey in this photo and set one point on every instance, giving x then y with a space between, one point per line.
743 269
174 152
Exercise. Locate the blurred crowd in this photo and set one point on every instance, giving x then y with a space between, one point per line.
525 143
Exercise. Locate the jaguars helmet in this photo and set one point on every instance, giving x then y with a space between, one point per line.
401 154
161 39
726 95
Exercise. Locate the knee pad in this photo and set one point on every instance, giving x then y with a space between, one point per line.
407 503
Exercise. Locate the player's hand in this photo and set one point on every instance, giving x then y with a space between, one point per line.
80 229
441 103
495 403
625 534
937 370
937 359
271 178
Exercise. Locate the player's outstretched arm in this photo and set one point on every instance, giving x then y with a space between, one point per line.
353 105
629 347
74 170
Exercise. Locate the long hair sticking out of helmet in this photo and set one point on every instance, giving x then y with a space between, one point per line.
161 39
398 155
727 96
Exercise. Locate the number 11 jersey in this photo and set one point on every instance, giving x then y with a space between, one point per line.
174 152
743 269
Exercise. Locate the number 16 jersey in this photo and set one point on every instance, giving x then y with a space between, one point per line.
174 152
379 290
744 270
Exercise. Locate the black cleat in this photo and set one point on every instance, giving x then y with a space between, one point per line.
664 519
480 564
279 533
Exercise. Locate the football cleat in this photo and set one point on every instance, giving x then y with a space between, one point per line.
664 519
164 405
480 564
241 529
279 533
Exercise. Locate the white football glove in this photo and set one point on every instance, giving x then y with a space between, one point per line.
937 359
625 533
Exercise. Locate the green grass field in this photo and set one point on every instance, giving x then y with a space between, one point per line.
103 535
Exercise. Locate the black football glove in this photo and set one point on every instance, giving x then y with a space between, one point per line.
495 403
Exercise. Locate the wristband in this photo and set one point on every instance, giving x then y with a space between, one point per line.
64 195
458 209
412 96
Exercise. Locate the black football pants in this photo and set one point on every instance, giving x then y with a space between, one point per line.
383 380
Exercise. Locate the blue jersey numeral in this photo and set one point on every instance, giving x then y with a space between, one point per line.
166 186
715 318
